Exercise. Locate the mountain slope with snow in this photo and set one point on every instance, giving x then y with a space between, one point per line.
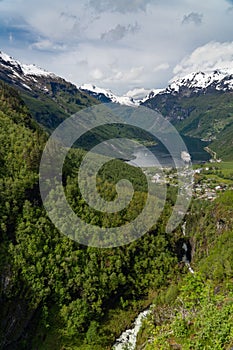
105 96
132 98
221 80
24 69
50 98
25 76
196 82
201 106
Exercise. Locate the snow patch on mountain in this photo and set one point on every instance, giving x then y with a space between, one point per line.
138 94
218 79
31 69
26 69
196 82
7 58
152 94
98 92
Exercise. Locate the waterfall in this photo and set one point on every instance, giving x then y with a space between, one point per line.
185 248
128 339
184 228
185 259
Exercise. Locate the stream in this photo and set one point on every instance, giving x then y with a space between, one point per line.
185 248
128 339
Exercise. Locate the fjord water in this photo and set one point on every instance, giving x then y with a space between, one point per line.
158 155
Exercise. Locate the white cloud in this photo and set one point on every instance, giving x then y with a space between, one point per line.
211 56
65 37
138 93
47 44
162 66
96 74
133 75
122 6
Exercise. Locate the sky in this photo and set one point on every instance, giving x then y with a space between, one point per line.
119 44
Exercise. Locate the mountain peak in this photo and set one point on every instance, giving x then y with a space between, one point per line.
219 79
26 69
105 95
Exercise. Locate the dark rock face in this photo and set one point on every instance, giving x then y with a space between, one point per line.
15 315
183 250
15 319
99 96
170 106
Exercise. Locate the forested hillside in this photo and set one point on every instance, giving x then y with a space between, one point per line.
55 292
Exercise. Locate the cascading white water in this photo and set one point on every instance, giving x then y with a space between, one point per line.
185 247
128 339
184 228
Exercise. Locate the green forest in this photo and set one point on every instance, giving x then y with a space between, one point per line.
56 294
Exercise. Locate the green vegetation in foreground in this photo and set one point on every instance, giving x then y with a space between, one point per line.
199 318
196 311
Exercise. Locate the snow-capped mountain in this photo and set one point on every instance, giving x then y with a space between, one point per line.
196 82
19 71
50 98
199 104
140 95
105 96
133 97
25 76
202 81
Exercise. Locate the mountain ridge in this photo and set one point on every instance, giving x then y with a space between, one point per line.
106 95
218 79
194 82
199 104
50 98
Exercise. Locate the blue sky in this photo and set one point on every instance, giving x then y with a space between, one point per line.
120 44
